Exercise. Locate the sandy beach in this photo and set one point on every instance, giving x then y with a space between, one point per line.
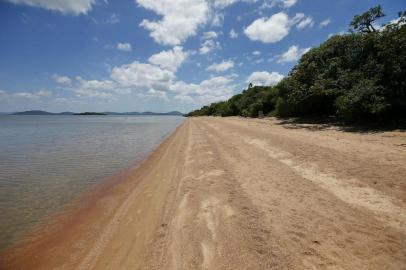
233 193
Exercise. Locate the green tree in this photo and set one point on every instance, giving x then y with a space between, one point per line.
364 22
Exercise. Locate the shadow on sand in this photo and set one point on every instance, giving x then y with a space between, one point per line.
314 123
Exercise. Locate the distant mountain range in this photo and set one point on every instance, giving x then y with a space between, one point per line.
37 112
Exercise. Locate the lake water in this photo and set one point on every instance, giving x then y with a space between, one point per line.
46 161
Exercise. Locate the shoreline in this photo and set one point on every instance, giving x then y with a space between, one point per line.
233 193
47 233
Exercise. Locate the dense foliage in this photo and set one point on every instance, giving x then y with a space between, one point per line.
356 76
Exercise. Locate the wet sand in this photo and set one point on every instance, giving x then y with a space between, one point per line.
232 193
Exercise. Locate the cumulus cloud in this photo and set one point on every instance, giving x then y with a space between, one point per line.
211 90
264 78
170 60
61 79
126 47
152 93
157 79
224 3
208 46
293 54
95 84
220 67
180 19
269 30
143 75
233 34
74 7
217 19
210 35
216 89
276 27
104 89
183 98
288 3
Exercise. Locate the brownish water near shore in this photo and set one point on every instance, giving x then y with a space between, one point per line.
231 193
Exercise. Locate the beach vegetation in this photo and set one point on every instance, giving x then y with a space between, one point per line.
358 76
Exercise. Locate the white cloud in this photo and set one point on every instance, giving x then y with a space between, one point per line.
183 98
157 79
210 35
143 75
224 3
216 89
256 53
217 19
170 60
276 27
324 23
180 19
220 67
208 46
306 22
126 47
269 30
233 34
264 78
281 3
210 90
28 95
93 93
25 95
96 84
105 89
61 79
74 7
95 88
152 93
288 3
293 54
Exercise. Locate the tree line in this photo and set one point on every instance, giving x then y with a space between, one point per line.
359 76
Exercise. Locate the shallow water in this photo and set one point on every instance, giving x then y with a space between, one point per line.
46 161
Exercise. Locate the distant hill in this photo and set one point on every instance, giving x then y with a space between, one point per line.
38 112
144 113
34 112
168 113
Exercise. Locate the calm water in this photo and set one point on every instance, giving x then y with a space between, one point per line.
46 161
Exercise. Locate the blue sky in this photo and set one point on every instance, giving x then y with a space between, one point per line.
138 55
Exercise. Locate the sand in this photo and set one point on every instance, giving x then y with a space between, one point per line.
232 193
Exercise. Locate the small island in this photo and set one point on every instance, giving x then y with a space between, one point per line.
90 113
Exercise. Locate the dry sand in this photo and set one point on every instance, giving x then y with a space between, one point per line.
231 193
